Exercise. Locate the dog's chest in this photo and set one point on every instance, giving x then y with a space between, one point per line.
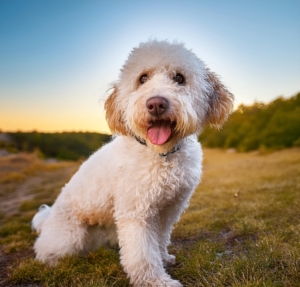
169 177
157 183
145 183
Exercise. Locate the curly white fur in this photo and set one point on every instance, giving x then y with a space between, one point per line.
132 190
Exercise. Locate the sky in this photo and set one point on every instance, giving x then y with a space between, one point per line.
58 58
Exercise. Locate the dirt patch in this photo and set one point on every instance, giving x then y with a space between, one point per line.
24 175
14 193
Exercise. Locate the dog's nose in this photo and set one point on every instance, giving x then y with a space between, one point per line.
157 105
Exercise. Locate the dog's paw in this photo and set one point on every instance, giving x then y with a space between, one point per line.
169 260
169 283
164 282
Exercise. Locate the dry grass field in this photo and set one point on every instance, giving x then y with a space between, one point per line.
242 227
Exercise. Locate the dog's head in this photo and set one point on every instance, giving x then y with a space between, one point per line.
164 94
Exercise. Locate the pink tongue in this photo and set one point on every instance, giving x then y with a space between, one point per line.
159 132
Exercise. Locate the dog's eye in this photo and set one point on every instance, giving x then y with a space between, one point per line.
143 79
179 79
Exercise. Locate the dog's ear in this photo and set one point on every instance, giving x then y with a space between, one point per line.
114 114
220 101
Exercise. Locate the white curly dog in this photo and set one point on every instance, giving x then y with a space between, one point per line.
132 190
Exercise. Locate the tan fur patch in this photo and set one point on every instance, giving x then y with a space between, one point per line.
221 101
96 218
114 115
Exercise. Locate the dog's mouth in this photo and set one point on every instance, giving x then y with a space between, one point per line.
160 131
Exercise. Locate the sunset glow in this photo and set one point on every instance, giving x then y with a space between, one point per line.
59 58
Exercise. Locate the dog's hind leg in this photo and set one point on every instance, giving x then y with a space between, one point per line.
60 236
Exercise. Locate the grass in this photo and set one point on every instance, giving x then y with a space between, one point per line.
100 268
242 228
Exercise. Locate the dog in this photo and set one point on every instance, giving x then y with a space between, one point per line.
132 190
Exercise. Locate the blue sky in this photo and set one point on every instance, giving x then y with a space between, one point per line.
58 58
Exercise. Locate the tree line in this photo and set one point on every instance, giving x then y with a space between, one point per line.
66 145
261 126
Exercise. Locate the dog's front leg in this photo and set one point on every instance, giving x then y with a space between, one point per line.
140 254
167 217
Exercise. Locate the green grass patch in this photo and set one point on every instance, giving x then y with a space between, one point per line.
15 235
99 268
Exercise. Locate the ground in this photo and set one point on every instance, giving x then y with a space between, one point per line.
242 227
25 182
